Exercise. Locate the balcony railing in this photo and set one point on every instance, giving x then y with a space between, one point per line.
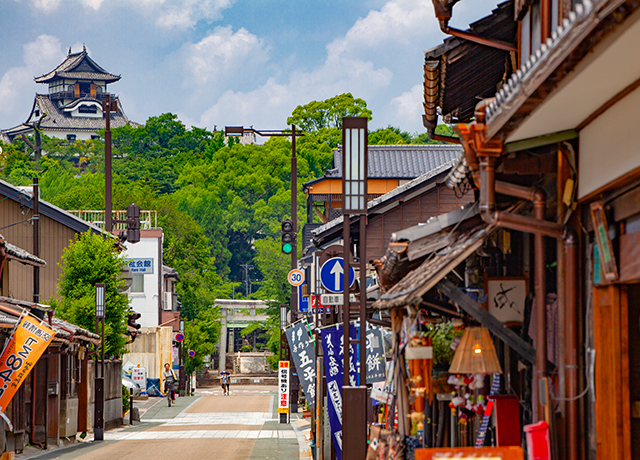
72 95
148 219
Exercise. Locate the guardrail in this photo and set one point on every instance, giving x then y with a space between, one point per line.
148 219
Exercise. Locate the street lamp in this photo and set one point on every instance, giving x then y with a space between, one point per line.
236 131
181 362
354 202
98 424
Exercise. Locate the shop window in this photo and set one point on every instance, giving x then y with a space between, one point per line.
137 284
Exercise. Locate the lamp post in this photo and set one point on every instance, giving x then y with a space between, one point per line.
181 363
238 131
354 201
98 425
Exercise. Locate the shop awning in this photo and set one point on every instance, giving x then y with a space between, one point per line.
410 289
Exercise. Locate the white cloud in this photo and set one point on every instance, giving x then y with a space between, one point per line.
407 108
180 14
168 14
398 22
16 85
223 52
364 62
46 5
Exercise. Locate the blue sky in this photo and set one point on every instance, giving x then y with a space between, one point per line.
226 62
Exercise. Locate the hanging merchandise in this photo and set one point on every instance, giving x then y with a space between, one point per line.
482 432
303 353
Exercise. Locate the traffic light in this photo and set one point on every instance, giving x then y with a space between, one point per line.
288 236
132 326
133 223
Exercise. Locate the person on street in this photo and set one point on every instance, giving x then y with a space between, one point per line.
224 381
169 378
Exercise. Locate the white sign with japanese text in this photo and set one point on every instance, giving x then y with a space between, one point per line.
141 266
283 387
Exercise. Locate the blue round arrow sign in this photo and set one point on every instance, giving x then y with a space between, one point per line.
332 275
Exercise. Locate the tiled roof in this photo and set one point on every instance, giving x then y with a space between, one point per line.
78 66
49 210
399 161
543 61
460 72
389 196
56 119
16 253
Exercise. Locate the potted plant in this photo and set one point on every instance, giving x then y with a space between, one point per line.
442 334
306 412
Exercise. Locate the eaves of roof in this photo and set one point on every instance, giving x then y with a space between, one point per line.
555 58
66 70
19 254
49 210
459 72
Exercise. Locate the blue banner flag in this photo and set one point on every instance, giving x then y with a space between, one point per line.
332 347
303 354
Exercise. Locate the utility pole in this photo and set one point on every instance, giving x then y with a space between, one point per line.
36 239
108 106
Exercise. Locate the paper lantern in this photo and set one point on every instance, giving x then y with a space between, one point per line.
475 354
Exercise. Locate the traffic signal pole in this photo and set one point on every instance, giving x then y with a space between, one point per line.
294 218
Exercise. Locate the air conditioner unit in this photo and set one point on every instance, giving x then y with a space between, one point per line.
168 301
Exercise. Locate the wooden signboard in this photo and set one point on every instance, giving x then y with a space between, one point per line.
481 453
506 297
605 247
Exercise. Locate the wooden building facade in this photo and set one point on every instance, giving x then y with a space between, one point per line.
568 98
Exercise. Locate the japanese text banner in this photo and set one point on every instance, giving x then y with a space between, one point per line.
303 354
29 341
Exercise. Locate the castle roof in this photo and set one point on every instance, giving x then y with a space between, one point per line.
56 119
78 66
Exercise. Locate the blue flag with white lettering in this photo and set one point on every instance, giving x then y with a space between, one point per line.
333 351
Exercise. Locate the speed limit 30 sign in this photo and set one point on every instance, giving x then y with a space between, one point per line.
296 277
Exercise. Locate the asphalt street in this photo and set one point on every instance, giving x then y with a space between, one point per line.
243 425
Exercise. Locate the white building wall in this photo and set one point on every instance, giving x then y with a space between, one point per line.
147 303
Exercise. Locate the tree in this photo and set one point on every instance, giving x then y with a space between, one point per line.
201 335
92 259
317 115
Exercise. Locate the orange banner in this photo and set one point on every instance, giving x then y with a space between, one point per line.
29 341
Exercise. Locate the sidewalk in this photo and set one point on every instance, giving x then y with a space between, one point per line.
87 444
196 420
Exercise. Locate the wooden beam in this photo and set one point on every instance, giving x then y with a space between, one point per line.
473 308
547 139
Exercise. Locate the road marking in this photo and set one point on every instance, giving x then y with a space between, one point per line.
209 434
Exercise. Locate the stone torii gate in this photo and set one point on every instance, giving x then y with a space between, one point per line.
231 314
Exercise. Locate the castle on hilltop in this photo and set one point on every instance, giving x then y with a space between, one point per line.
72 109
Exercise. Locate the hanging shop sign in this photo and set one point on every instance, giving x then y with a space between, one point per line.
303 298
30 339
375 355
283 387
332 346
303 353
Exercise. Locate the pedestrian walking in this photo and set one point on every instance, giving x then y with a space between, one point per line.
169 378
224 381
